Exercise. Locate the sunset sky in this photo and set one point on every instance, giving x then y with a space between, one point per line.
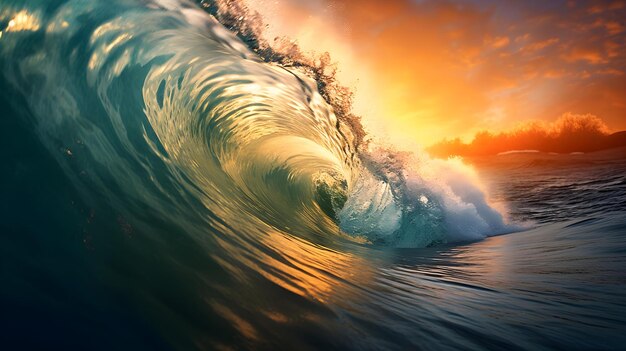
425 70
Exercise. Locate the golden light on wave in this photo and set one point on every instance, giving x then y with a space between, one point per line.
23 21
310 270
295 265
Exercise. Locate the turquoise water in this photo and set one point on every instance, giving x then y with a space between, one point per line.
166 188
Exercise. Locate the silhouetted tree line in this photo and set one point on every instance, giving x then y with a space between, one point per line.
570 133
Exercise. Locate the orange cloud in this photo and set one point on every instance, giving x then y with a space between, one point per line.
425 70
600 7
584 54
540 45
500 42
614 27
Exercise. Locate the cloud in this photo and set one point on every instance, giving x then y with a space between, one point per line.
588 55
614 27
424 70
599 7
499 42
540 45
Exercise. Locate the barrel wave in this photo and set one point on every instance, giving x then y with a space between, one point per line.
166 106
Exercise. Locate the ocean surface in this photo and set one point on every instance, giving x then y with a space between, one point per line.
165 187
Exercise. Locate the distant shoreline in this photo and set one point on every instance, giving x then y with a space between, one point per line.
485 144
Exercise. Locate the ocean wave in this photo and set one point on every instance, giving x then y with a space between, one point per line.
156 105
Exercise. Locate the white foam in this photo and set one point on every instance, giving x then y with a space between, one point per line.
403 200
